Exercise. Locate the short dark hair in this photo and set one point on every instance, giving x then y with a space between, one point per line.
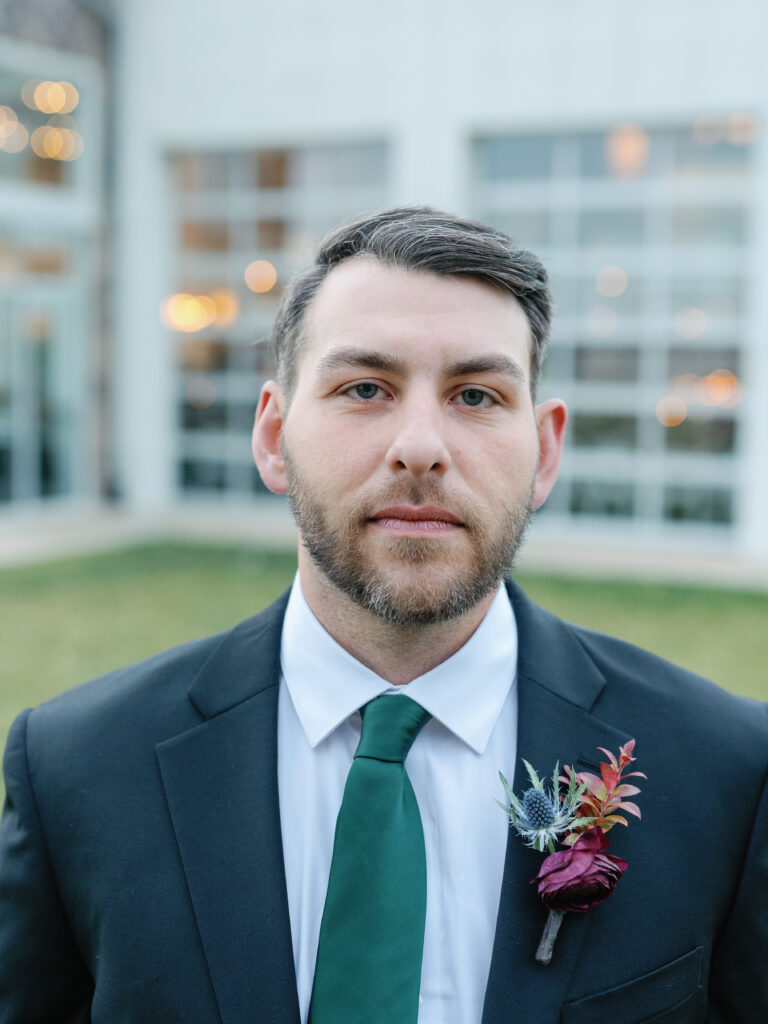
418 238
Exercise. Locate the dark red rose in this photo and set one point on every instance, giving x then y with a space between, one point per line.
578 878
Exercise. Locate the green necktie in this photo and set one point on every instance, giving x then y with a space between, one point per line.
372 934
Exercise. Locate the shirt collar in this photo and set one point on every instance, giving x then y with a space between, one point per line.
326 684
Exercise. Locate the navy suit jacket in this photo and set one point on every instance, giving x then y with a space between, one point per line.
141 863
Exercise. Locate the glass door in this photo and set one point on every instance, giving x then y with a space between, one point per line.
43 395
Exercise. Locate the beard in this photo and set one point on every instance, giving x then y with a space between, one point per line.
333 537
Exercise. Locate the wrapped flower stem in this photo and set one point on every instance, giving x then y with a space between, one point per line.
548 936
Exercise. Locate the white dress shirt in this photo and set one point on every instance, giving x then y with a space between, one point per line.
453 767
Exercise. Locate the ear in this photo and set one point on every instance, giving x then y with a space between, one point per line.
551 418
267 430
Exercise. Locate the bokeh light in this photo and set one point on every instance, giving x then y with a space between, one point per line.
611 282
626 150
50 97
50 142
187 313
719 388
260 276
690 322
13 135
227 306
201 393
671 410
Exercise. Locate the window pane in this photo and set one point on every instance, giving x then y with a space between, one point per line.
515 157
197 474
202 171
698 504
600 498
204 355
708 436
720 297
611 227
604 431
273 169
701 361
597 363
714 147
529 227
205 237
203 417
707 225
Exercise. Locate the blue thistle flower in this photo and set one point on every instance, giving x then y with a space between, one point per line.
542 815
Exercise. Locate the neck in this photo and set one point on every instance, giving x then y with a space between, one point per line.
397 653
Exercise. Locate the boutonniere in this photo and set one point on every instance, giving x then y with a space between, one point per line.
583 873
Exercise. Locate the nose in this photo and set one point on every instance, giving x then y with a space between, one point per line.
419 446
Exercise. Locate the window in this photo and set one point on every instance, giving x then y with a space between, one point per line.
708 225
607 363
698 504
604 431
611 227
516 157
230 276
651 281
714 435
602 498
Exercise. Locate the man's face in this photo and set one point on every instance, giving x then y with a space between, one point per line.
410 447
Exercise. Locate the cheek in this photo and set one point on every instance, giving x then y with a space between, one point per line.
331 458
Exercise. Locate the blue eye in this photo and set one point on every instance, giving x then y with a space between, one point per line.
474 397
366 390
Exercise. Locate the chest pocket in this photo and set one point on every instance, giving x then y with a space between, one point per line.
673 994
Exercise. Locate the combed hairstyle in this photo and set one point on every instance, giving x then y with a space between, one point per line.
421 239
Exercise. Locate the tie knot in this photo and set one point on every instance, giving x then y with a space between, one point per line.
390 725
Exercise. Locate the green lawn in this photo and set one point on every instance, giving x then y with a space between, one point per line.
64 622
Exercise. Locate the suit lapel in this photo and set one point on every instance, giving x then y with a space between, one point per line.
220 781
557 686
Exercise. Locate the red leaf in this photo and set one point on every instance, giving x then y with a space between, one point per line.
610 776
611 757
630 808
625 790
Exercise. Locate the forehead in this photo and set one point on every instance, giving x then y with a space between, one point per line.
416 314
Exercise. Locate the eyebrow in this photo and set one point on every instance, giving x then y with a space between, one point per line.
344 358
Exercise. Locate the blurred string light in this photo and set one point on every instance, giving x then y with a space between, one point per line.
13 135
626 150
718 389
190 313
51 142
671 410
227 306
611 282
260 276
50 97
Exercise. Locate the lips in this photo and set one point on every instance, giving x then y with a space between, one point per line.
416 521
417 514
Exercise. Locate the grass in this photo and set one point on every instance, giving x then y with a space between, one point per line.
64 622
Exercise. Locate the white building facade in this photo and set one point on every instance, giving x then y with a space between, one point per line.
626 143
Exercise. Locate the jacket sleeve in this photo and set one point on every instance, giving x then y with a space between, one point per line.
738 987
43 979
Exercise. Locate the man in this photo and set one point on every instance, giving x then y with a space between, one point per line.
168 849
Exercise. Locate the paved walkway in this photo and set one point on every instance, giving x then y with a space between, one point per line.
50 533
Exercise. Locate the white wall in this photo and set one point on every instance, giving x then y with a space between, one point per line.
423 74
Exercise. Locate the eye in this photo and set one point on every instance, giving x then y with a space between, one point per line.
475 398
366 390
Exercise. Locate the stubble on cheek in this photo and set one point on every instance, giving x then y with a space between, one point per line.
367 569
